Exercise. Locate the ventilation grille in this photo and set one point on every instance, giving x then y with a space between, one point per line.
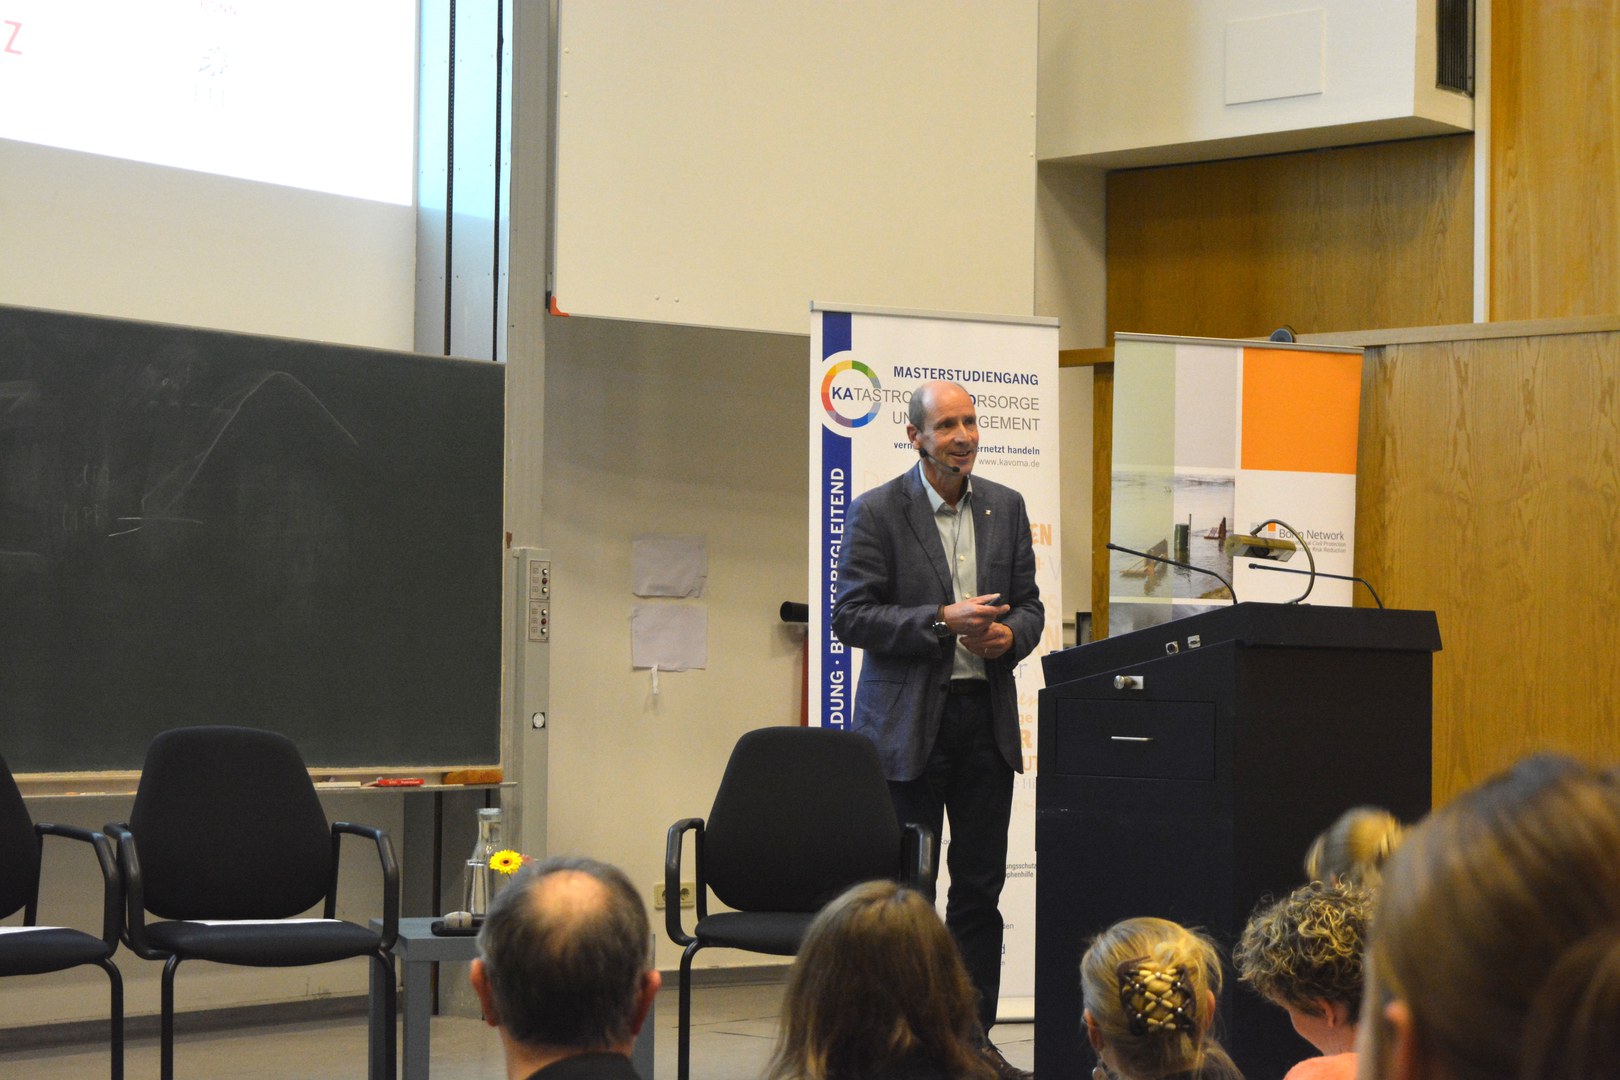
1454 45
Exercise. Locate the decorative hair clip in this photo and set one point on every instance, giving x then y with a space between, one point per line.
1155 999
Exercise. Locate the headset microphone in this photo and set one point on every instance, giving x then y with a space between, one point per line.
926 456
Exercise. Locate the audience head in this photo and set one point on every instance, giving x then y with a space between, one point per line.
1355 847
1493 954
877 986
1573 1030
565 958
1149 987
1303 953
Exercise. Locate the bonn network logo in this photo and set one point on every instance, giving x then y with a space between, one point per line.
850 394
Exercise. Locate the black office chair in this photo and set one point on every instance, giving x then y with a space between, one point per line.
227 828
54 948
801 815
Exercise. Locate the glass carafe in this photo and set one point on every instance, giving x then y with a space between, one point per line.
482 880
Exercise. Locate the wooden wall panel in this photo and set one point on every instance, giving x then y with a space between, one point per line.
1352 238
1555 158
1489 491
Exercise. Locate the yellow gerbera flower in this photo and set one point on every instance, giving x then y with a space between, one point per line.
507 862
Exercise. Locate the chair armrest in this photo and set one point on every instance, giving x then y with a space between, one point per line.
672 878
112 916
390 869
917 858
129 870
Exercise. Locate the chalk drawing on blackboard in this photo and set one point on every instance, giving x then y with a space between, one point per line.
171 487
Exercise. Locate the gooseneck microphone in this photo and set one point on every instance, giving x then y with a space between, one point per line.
1310 582
1319 573
1173 562
926 456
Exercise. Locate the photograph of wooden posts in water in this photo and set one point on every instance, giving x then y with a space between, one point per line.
1183 516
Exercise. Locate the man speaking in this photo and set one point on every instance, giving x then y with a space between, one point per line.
937 585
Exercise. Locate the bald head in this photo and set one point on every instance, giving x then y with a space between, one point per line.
567 899
923 398
565 948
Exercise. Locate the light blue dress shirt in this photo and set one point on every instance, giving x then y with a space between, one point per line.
956 533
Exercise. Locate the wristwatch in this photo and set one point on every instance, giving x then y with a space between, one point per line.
940 627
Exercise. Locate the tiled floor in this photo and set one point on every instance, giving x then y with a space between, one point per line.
734 1027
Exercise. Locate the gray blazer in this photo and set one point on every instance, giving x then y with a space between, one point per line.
892 578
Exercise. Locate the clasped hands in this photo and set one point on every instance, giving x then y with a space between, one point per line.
974 621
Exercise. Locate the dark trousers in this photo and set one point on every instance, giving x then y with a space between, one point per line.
967 778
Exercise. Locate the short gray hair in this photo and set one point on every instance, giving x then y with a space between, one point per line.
917 410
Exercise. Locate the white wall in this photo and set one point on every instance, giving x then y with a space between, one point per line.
105 237
1156 81
673 431
728 162
1071 284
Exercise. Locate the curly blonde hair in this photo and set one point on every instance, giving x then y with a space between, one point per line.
1307 947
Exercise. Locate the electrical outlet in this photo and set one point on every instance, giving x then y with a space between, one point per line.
688 897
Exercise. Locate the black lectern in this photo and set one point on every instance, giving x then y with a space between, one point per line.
1185 768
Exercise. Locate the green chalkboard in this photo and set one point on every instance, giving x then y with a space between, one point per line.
208 527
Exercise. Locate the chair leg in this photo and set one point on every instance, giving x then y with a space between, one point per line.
166 1021
683 1030
389 1066
117 1017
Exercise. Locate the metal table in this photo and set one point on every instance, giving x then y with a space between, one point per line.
416 949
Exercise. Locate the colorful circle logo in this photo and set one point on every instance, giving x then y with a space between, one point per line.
843 386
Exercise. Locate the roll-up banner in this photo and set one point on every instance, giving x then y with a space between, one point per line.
864 365
1218 440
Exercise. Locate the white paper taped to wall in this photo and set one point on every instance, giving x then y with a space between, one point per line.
668 565
669 637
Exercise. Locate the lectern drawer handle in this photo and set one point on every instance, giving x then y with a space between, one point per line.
1128 682
1130 738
